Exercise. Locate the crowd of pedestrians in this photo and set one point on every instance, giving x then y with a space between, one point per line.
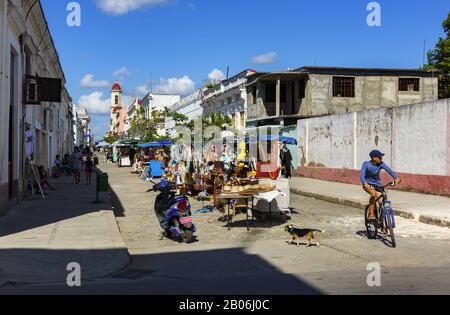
72 165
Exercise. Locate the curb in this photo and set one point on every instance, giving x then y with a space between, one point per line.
430 220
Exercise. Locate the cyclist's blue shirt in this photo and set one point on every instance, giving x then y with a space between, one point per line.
370 173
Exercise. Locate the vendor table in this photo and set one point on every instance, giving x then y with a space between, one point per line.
229 198
267 196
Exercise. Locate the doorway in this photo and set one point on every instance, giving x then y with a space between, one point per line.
11 133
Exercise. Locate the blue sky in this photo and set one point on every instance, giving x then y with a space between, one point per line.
173 45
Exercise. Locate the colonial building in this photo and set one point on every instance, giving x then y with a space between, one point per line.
158 102
83 131
229 98
190 106
132 111
281 98
121 118
35 108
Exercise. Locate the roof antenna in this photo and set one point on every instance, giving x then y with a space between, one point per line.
151 82
424 49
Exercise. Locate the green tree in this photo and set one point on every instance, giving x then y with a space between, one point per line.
439 59
143 128
111 139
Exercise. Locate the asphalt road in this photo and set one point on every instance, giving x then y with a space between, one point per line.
238 262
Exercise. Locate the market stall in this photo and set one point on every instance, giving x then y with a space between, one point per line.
269 154
156 156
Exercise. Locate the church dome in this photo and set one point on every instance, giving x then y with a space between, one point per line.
117 87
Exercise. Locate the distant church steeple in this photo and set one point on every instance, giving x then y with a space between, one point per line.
116 105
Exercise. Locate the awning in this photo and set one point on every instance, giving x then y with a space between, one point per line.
103 145
164 143
285 140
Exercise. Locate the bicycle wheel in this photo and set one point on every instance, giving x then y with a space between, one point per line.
389 226
371 225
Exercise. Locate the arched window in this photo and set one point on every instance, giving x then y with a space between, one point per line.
117 100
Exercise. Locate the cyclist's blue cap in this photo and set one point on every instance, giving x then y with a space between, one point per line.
376 153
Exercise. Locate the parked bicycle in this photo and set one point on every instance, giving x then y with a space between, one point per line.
385 217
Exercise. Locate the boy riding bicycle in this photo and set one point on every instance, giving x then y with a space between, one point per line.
370 178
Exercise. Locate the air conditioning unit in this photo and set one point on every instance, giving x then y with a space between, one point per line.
38 90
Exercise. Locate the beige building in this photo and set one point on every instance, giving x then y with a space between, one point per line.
229 97
35 108
281 98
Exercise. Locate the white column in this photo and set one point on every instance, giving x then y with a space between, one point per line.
278 97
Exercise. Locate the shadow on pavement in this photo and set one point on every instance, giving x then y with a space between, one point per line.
66 202
30 265
385 240
213 272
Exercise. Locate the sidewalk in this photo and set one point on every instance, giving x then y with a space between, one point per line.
427 209
39 238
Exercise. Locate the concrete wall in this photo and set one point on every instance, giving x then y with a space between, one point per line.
415 139
371 92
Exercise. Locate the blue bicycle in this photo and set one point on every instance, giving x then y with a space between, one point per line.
385 218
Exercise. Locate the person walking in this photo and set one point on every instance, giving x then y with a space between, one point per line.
76 164
89 169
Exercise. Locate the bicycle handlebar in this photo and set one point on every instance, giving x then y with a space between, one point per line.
391 184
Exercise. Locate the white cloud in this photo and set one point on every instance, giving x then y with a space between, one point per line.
95 103
216 75
120 7
176 86
122 73
142 90
89 82
179 86
265 59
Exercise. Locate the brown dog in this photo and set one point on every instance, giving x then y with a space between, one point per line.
308 234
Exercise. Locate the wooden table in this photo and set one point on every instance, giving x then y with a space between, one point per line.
247 197
237 196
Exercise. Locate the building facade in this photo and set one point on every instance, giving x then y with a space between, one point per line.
30 128
190 106
158 102
229 98
281 98
83 131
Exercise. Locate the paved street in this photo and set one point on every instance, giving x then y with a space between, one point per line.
39 238
260 261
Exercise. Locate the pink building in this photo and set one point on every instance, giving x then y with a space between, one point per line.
120 118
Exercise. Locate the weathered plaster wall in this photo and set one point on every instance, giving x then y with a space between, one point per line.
415 138
371 92
420 139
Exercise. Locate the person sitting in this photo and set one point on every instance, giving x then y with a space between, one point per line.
57 167
65 165
43 174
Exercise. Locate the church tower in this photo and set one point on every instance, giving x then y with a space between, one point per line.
116 106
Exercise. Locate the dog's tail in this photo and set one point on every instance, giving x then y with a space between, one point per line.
319 231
